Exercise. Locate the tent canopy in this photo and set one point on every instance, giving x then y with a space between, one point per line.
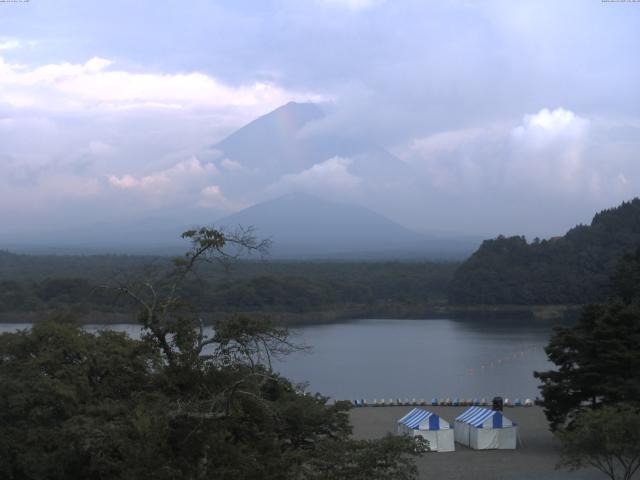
419 419
429 426
484 418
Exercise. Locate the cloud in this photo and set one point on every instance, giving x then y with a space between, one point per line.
59 197
232 165
353 5
443 142
97 147
458 161
457 117
329 177
47 201
179 177
132 140
184 186
9 44
546 126
96 85
506 177
549 152
212 197
124 181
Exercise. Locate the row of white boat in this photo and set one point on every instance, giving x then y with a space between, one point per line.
448 402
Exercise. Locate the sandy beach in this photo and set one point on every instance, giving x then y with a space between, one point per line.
535 459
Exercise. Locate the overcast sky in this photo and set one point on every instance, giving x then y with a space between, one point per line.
516 116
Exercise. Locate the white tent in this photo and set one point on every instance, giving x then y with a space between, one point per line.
483 429
420 423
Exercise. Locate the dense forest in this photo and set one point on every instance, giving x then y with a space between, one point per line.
573 269
289 289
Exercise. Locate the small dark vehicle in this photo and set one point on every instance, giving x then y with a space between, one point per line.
497 404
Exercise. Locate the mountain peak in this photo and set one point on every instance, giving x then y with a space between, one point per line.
278 125
270 143
308 108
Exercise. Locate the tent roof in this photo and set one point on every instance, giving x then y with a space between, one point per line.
415 417
476 416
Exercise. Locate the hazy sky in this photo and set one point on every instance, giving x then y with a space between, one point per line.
515 116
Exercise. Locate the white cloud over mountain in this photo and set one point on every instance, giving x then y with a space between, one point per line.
213 197
97 84
117 135
331 177
180 175
97 121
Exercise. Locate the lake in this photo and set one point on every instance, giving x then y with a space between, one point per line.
376 359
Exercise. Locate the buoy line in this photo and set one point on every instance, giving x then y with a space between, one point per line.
442 402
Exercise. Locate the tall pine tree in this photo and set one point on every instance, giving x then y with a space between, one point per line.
598 359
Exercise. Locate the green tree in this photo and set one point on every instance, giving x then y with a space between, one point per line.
607 439
69 401
598 359
362 460
626 280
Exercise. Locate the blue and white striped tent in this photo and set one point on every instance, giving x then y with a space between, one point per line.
431 427
483 428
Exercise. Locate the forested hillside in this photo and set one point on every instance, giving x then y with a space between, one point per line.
573 269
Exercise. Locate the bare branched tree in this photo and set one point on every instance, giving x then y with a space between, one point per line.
163 312
244 345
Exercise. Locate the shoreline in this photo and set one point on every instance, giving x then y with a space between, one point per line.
536 313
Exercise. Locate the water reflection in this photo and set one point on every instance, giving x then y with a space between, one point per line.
421 359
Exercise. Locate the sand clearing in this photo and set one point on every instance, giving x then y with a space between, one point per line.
536 459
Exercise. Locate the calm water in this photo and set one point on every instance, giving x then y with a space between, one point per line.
412 358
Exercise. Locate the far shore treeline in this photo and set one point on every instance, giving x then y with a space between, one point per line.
290 291
573 269
506 276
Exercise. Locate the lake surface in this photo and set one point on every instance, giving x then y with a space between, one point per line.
376 359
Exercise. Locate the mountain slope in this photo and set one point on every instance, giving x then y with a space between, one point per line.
271 136
573 269
301 224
